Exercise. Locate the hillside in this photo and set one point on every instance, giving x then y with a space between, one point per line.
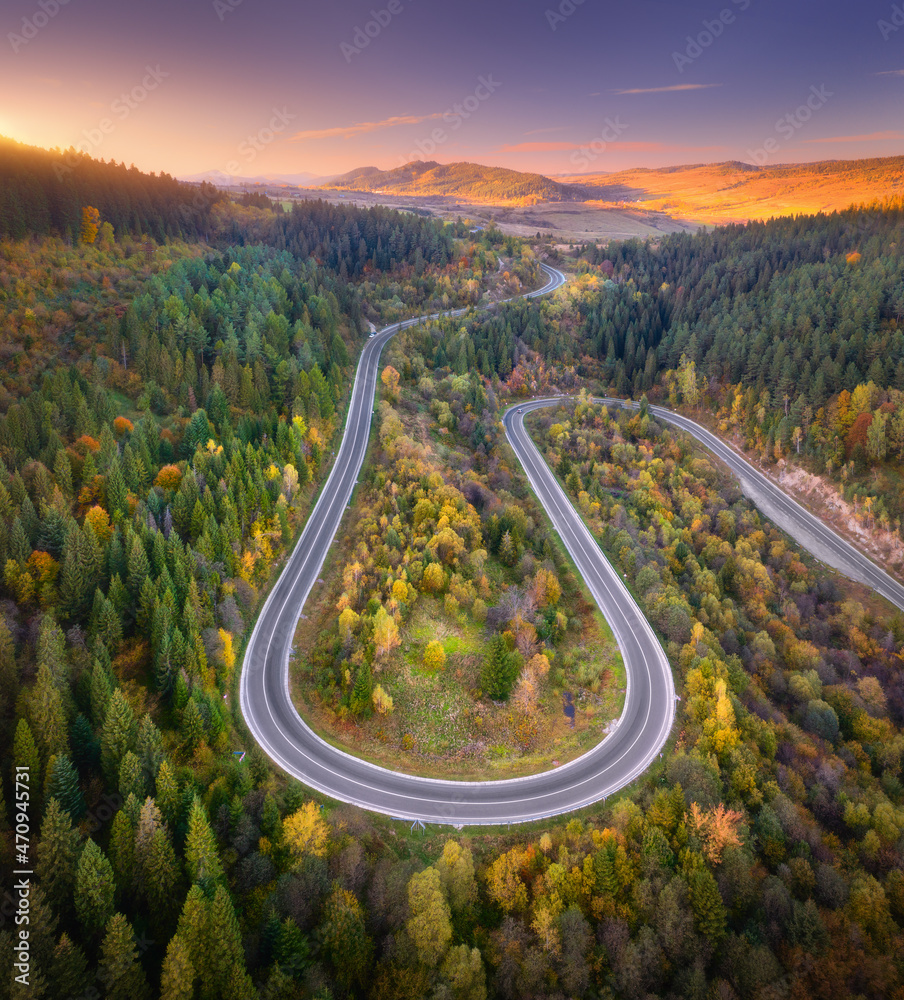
43 192
465 181
734 192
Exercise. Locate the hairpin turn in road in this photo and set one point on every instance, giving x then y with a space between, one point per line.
274 722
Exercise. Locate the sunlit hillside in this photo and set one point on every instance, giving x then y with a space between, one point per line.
722 192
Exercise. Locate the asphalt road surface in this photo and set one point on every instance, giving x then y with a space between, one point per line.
805 528
267 706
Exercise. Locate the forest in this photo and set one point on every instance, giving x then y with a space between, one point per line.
168 411
451 627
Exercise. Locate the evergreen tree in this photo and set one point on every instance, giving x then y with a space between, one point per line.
94 888
193 929
201 856
149 748
26 758
177 981
57 855
122 850
68 970
62 784
120 969
117 736
500 669
131 779
225 944
101 690
160 876
48 715
9 674
167 796
192 725
85 747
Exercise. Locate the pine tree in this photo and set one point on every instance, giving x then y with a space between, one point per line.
101 690
85 747
201 856
138 567
344 937
9 674
167 792
122 850
26 758
131 780
149 748
240 985
192 929
57 855
117 492
225 943
48 715
500 669
62 784
120 969
177 981
94 888
161 874
149 821
42 928
79 574
192 725
117 736
68 970
362 691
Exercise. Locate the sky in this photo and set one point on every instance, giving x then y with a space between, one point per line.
282 87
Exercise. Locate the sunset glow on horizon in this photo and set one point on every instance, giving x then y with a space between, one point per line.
273 89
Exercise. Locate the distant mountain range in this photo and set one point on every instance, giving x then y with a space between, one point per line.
222 179
715 192
706 193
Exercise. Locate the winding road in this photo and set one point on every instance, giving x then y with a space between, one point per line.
649 710
805 528
274 722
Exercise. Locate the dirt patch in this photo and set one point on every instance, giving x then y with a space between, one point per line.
855 524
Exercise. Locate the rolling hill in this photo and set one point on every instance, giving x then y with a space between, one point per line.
470 182
733 191
700 193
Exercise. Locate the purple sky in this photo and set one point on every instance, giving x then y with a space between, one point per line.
272 86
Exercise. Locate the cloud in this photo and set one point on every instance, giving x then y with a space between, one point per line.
890 72
346 131
668 90
623 147
870 137
537 147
